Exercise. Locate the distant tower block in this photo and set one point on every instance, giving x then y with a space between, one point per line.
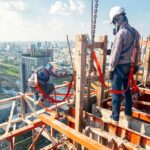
28 63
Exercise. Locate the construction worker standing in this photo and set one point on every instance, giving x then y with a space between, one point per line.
43 77
126 38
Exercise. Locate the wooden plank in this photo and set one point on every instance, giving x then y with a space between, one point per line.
14 128
32 109
22 106
36 138
10 117
80 45
102 61
71 133
141 115
146 63
49 147
120 131
52 139
33 137
96 45
145 90
111 137
38 129
11 144
92 79
17 132
4 101
3 125
30 99
138 102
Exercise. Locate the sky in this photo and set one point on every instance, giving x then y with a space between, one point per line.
51 20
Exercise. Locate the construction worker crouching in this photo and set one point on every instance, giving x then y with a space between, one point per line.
126 38
43 78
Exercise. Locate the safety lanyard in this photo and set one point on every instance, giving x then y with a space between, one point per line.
101 78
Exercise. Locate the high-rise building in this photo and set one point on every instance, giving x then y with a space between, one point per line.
39 45
28 64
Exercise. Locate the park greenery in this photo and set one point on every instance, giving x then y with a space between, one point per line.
9 69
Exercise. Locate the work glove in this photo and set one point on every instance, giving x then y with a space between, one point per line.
109 75
136 69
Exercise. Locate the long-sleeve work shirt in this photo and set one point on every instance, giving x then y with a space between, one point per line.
123 46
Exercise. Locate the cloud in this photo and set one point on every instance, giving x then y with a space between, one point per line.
59 8
15 25
14 5
63 8
76 5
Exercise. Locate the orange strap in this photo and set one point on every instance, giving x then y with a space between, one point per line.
52 100
101 78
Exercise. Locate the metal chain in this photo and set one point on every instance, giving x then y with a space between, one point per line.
94 20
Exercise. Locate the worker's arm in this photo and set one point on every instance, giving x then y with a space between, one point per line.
116 51
137 46
59 74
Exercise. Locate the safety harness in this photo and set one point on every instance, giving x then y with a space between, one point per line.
130 77
101 78
52 100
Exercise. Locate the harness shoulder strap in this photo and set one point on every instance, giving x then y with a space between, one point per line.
133 39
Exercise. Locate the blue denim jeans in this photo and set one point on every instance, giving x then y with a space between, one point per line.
120 82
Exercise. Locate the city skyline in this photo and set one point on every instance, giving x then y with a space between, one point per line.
51 20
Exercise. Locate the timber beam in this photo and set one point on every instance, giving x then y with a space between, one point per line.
72 134
4 101
145 91
17 132
132 136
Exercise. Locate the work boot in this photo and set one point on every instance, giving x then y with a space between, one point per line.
114 122
110 120
127 121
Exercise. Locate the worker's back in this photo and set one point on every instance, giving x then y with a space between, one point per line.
123 45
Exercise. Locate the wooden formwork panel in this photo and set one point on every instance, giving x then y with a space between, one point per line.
108 129
72 134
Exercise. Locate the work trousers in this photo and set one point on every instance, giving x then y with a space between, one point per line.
120 82
48 88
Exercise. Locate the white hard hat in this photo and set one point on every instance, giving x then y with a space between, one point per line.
117 10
